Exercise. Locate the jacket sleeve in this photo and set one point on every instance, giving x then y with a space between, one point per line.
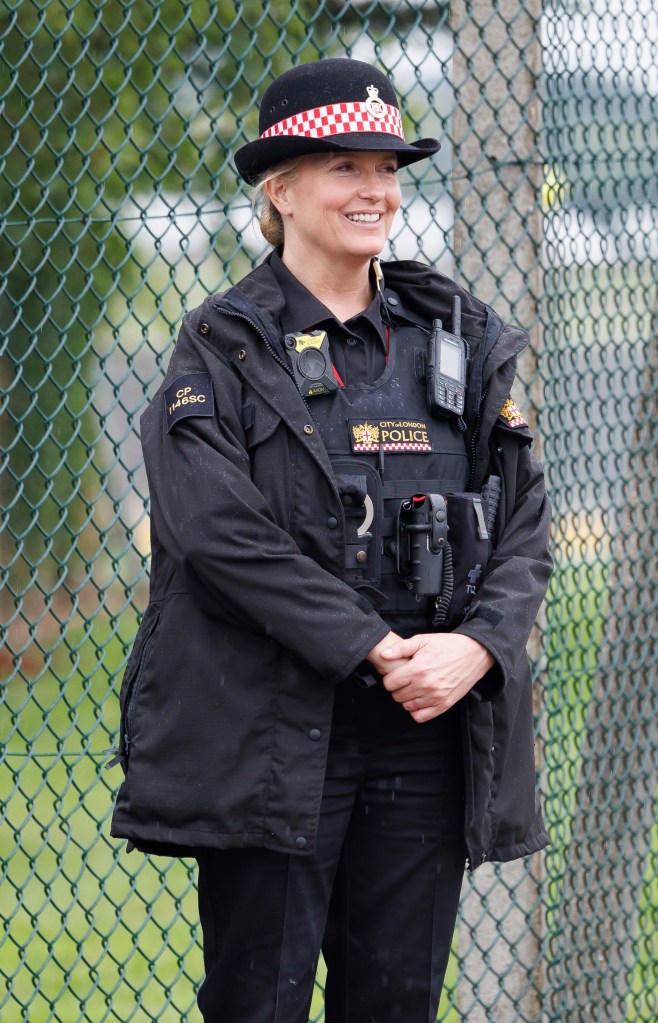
509 598
236 562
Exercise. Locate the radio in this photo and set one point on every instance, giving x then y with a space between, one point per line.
446 366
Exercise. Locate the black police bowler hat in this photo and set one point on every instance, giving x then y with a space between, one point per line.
327 105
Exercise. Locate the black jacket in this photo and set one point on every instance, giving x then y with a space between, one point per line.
227 698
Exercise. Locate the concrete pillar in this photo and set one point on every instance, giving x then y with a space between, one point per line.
496 187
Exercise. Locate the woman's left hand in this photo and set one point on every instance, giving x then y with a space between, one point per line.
441 668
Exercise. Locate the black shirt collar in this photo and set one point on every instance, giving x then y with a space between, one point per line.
303 311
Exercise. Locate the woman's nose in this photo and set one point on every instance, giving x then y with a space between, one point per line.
371 185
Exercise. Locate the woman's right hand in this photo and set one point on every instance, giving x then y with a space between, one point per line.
378 662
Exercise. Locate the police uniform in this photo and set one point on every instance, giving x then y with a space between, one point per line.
390 853
253 736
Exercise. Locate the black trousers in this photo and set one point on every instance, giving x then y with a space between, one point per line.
379 897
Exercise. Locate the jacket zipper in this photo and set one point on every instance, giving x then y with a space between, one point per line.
120 752
268 344
135 687
473 440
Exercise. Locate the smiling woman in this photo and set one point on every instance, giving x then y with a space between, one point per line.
328 703
336 211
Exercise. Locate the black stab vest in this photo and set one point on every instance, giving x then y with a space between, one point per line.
385 447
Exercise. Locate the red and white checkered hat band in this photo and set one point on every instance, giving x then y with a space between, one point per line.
339 119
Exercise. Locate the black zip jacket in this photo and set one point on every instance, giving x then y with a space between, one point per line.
227 698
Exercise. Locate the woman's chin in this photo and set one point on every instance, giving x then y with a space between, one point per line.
365 247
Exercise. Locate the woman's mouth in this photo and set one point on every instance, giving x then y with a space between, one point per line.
364 218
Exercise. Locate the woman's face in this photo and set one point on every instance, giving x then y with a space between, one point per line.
339 205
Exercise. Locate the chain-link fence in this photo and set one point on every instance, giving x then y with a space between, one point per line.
120 208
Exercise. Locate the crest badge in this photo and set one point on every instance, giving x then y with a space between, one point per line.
511 414
366 436
374 105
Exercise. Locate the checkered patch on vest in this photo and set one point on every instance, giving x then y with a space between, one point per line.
511 414
400 436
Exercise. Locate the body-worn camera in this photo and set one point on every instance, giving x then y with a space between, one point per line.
311 363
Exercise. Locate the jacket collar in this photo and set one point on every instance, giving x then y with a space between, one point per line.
423 294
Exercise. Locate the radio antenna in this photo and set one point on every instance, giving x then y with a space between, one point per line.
457 316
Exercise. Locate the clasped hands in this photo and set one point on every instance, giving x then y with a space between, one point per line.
430 672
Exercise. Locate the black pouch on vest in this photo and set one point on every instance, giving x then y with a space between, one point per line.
465 561
360 488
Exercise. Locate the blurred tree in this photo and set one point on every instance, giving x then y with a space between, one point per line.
104 107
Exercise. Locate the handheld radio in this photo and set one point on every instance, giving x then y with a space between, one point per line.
447 358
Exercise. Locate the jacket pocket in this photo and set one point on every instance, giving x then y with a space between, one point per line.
132 679
259 423
272 460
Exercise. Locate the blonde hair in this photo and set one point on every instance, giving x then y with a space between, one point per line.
269 218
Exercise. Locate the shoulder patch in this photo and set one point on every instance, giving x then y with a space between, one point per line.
510 414
189 395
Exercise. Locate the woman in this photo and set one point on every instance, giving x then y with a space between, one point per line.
328 702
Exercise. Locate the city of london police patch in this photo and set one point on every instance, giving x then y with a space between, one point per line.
394 435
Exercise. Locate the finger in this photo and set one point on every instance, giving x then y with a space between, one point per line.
413 707
400 662
426 714
399 691
402 679
395 680
401 648
414 703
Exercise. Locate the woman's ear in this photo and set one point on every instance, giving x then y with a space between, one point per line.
277 193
